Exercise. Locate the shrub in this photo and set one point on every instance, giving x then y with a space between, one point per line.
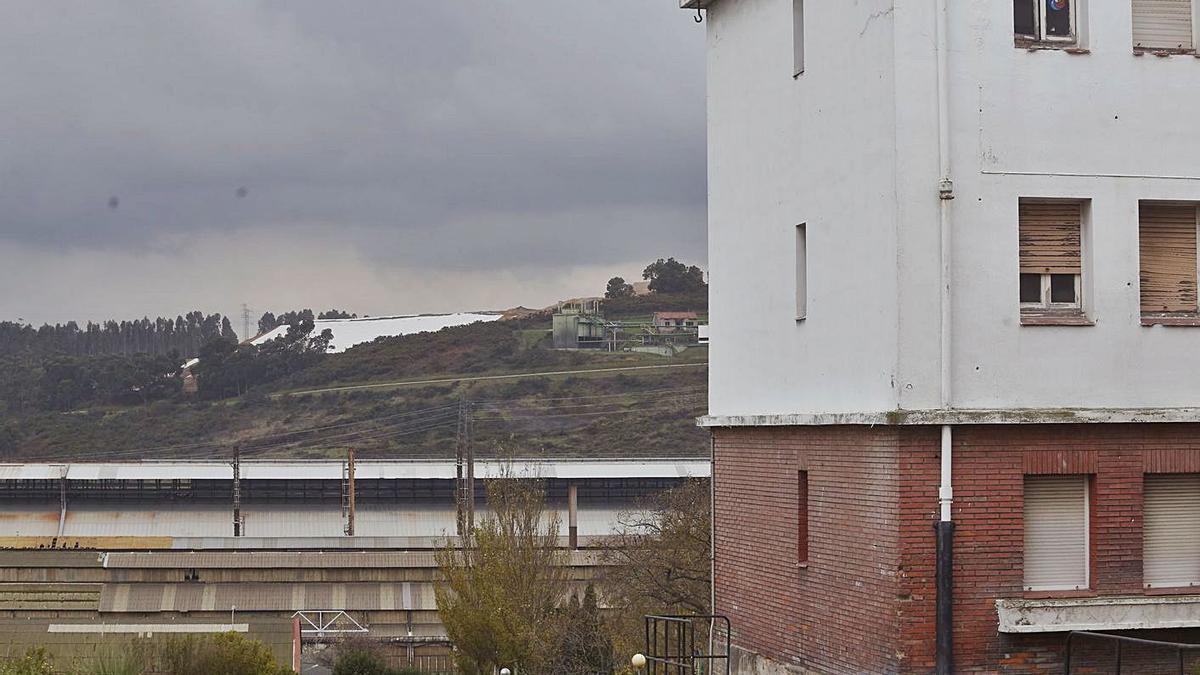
116 661
34 662
360 662
226 653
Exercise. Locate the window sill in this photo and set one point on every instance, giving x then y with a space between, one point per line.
1163 53
1042 46
1170 320
1099 613
1059 595
802 566
1055 319
1174 590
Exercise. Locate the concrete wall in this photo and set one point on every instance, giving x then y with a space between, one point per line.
1022 122
850 148
819 150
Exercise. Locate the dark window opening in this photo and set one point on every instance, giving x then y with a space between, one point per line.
1058 18
1031 287
802 519
1062 288
1025 19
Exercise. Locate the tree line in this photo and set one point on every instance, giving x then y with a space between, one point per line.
184 336
269 322
665 276
61 368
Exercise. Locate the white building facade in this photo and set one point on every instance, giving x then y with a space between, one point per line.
962 235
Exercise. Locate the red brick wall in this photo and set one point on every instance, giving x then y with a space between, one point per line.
990 463
865 603
838 614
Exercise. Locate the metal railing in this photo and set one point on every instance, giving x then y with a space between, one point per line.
672 649
1180 648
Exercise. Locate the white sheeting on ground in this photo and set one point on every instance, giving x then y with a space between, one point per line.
350 332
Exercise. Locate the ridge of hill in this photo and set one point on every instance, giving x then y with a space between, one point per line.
545 403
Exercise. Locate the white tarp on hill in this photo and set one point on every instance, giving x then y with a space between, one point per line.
350 332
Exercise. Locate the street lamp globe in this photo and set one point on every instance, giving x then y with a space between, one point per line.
505 671
638 661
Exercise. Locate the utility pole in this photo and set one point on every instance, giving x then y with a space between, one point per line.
464 465
348 491
573 515
467 423
237 491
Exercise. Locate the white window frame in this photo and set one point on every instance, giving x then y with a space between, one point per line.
1039 21
1046 304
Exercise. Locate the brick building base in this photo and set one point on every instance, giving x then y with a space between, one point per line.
863 599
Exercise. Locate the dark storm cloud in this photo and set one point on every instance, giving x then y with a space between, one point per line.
483 134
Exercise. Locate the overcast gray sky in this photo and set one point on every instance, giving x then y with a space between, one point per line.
378 156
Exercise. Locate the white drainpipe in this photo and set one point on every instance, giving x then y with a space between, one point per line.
944 631
946 193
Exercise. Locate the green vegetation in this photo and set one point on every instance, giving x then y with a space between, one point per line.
275 398
360 660
34 662
671 276
658 562
224 653
506 600
618 288
126 660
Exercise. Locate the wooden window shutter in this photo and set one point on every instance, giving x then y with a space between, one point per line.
1167 234
1049 237
1162 24
1056 537
1171 536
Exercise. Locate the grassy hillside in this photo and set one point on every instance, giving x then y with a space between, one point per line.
643 410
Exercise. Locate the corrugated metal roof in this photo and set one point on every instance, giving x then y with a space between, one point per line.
293 559
264 597
365 469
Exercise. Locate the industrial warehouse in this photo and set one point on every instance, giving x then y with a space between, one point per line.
294 553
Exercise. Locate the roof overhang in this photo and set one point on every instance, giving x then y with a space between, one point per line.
579 469
958 416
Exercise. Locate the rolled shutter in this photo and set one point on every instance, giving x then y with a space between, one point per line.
1162 24
1167 234
1171 539
1056 541
1049 237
